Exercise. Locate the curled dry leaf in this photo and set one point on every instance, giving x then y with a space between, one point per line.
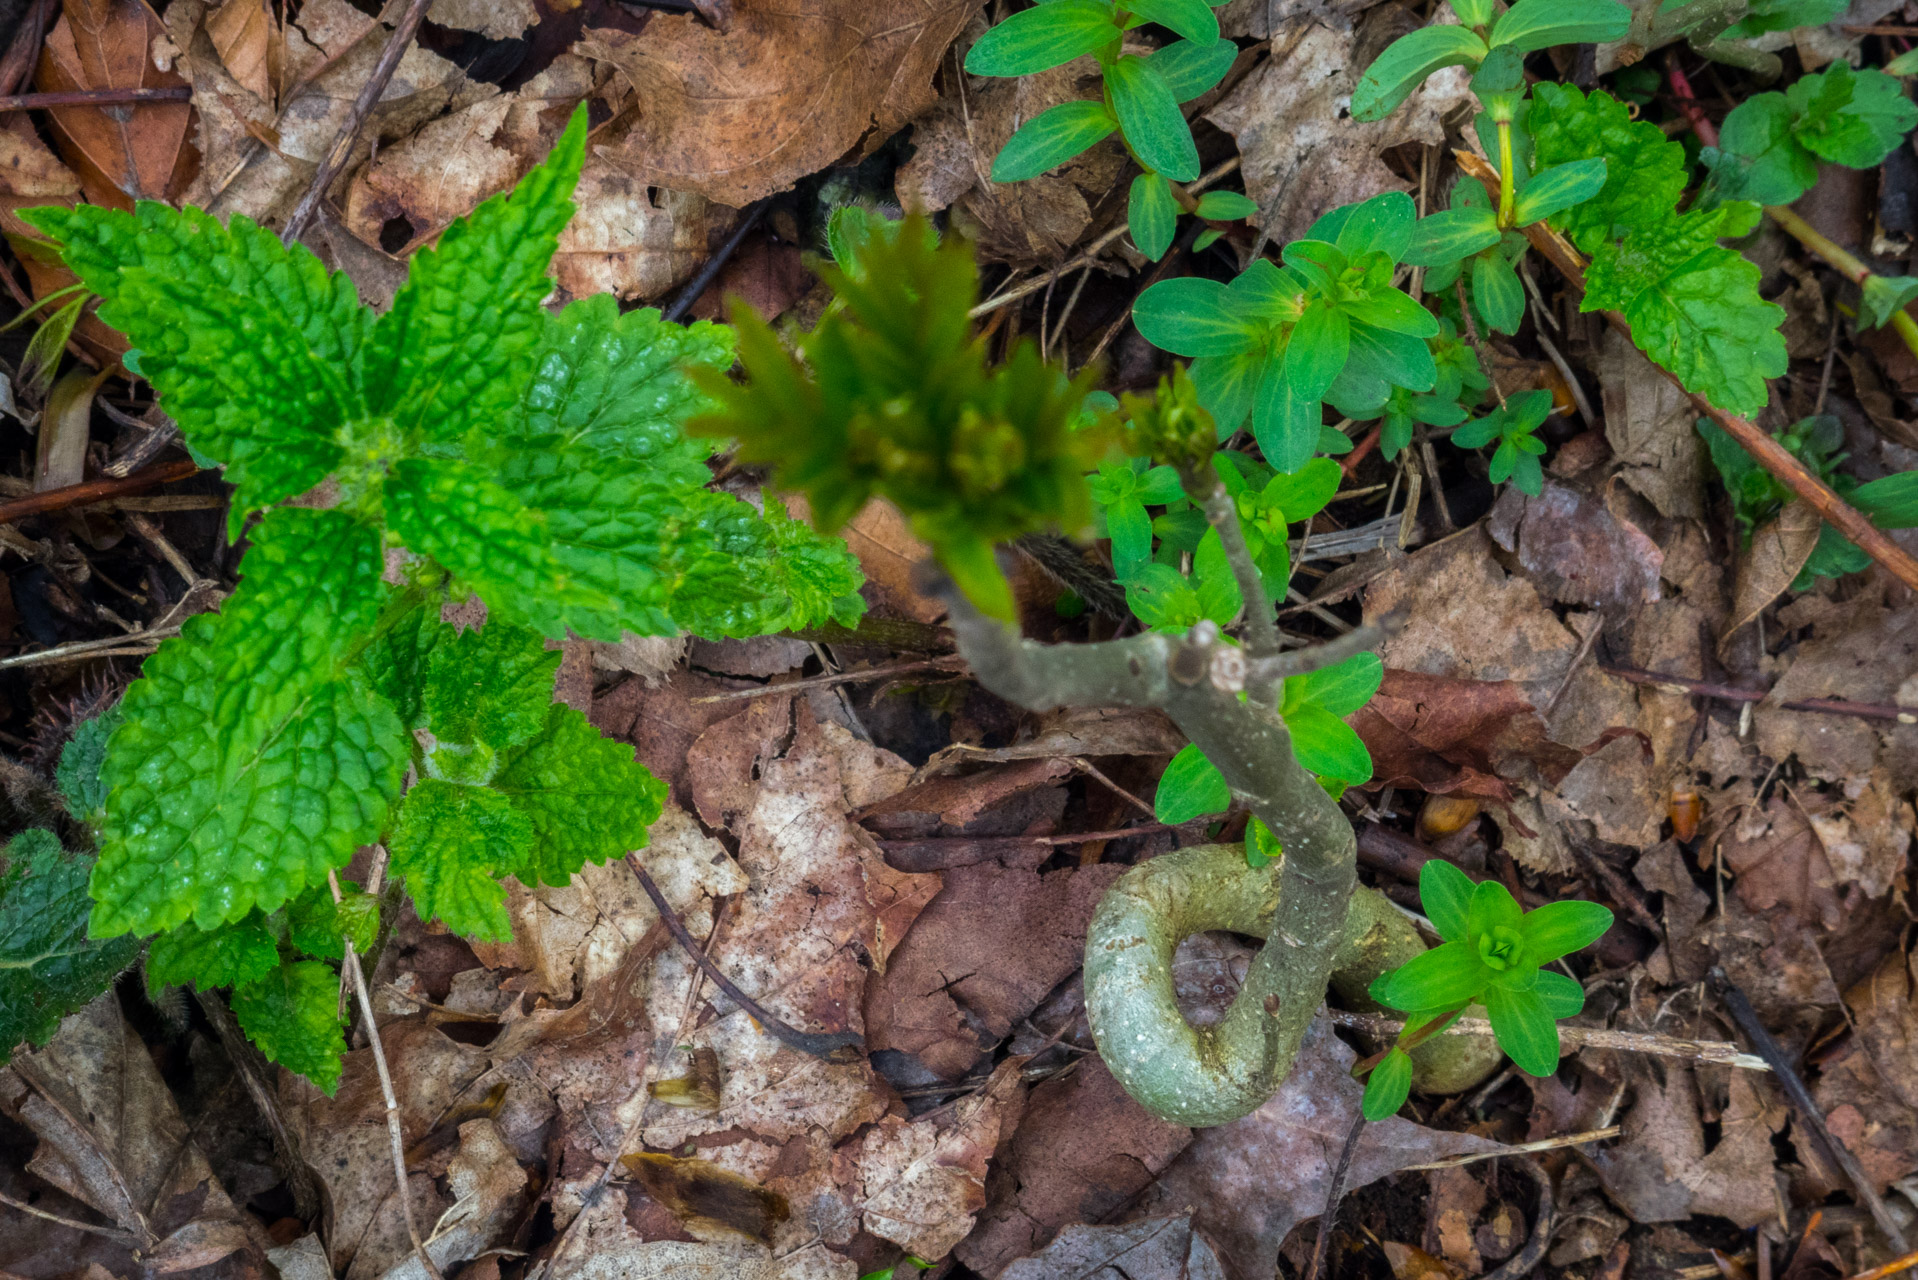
494 19
1661 1170
489 1197
1649 424
121 153
1779 549
784 93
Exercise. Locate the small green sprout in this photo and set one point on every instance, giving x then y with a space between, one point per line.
1493 954
1513 425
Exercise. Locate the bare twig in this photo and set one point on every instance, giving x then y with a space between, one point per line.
398 1140
92 98
1330 1217
1720 1051
342 148
1892 1268
835 1046
710 271
1731 693
1090 257
112 1233
135 645
89 491
1770 454
952 662
1522 1148
1807 1112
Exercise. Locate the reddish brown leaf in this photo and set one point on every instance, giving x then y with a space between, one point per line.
121 153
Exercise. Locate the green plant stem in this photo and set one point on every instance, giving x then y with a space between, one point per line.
1505 200
1842 261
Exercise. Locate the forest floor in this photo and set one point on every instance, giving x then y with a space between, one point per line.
1602 692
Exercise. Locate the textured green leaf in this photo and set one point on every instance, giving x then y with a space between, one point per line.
816 572
616 384
1051 138
1559 928
1387 1088
1190 786
452 844
48 965
1152 214
250 760
293 1015
1149 117
78 773
588 798
316 924
1694 306
394 665
1191 68
456 349
1406 64
491 686
1645 171
1757 157
224 956
1523 1024
1446 894
1042 37
1853 118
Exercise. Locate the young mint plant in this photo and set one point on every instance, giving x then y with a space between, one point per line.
1493 953
1771 144
1140 102
1278 340
466 441
1513 425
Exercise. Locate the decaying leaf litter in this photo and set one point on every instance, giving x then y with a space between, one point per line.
1594 691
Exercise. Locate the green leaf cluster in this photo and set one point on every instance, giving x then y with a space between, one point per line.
1460 387
1770 145
1513 424
1140 101
1693 305
1493 954
891 396
1279 340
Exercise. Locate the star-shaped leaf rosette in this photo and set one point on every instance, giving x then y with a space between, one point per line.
1494 954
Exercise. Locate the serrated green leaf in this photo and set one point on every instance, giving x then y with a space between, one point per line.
225 956
456 348
1538 24
717 564
1853 118
78 773
1407 63
1149 117
615 384
491 686
817 573
1190 787
1389 1085
1191 68
48 965
1694 306
1525 1029
1757 157
452 844
1042 37
1051 138
251 760
588 798
394 665
1152 214
293 1016
316 924
1645 171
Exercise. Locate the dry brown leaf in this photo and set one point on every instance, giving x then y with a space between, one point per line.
243 33
679 1260
920 1183
1083 1149
1575 550
786 92
1887 1023
1861 652
1661 1171
494 19
1779 549
1252 1180
1303 152
1167 1248
1075 731
1648 423
1778 860
489 1197
121 154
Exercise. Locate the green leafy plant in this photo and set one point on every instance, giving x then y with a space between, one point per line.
1277 341
1140 102
466 441
1770 146
1512 424
1493 954
1460 387
893 398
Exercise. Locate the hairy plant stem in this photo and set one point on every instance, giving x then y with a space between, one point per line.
1302 905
